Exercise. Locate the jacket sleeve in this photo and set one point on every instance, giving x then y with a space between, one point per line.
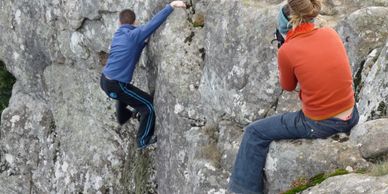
287 78
146 30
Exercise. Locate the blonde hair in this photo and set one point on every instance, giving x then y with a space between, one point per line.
303 11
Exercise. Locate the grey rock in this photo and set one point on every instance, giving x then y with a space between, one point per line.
28 140
344 8
77 96
177 100
371 138
362 31
351 184
286 102
289 160
15 184
374 93
240 62
362 73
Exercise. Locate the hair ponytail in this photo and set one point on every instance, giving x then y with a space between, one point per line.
303 11
317 5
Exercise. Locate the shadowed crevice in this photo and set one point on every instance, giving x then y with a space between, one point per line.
7 80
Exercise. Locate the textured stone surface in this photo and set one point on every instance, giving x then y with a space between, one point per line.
240 61
14 184
59 135
373 95
28 141
363 31
289 160
59 131
351 184
371 137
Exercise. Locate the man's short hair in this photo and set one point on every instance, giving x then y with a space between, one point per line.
127 16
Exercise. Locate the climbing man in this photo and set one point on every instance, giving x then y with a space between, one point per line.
127 45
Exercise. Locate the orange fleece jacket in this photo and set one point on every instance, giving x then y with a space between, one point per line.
316 59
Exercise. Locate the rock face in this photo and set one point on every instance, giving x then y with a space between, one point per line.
364 30
212 70
58 132
373 94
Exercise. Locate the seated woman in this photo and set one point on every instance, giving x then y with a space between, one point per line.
314 58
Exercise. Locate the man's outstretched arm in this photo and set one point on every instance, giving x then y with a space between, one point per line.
150 27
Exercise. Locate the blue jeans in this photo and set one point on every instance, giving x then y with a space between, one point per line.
247 174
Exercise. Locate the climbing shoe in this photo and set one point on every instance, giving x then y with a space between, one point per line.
136 115
122 113
150 144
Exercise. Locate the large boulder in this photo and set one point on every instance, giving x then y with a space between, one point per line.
372 138
288 161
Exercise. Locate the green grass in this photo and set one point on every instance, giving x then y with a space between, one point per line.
302 184
379 169
6 82
142 165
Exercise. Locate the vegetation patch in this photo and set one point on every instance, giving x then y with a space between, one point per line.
212 153
302 184
142 165
198 21
137 171
379 169
6 82
103 58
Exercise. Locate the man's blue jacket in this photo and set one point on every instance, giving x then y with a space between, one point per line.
127 45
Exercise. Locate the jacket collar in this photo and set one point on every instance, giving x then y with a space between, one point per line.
129 26
301 29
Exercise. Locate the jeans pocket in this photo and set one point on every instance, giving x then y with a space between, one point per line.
323 130
322 134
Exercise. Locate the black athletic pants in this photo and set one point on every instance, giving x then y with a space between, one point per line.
129 95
